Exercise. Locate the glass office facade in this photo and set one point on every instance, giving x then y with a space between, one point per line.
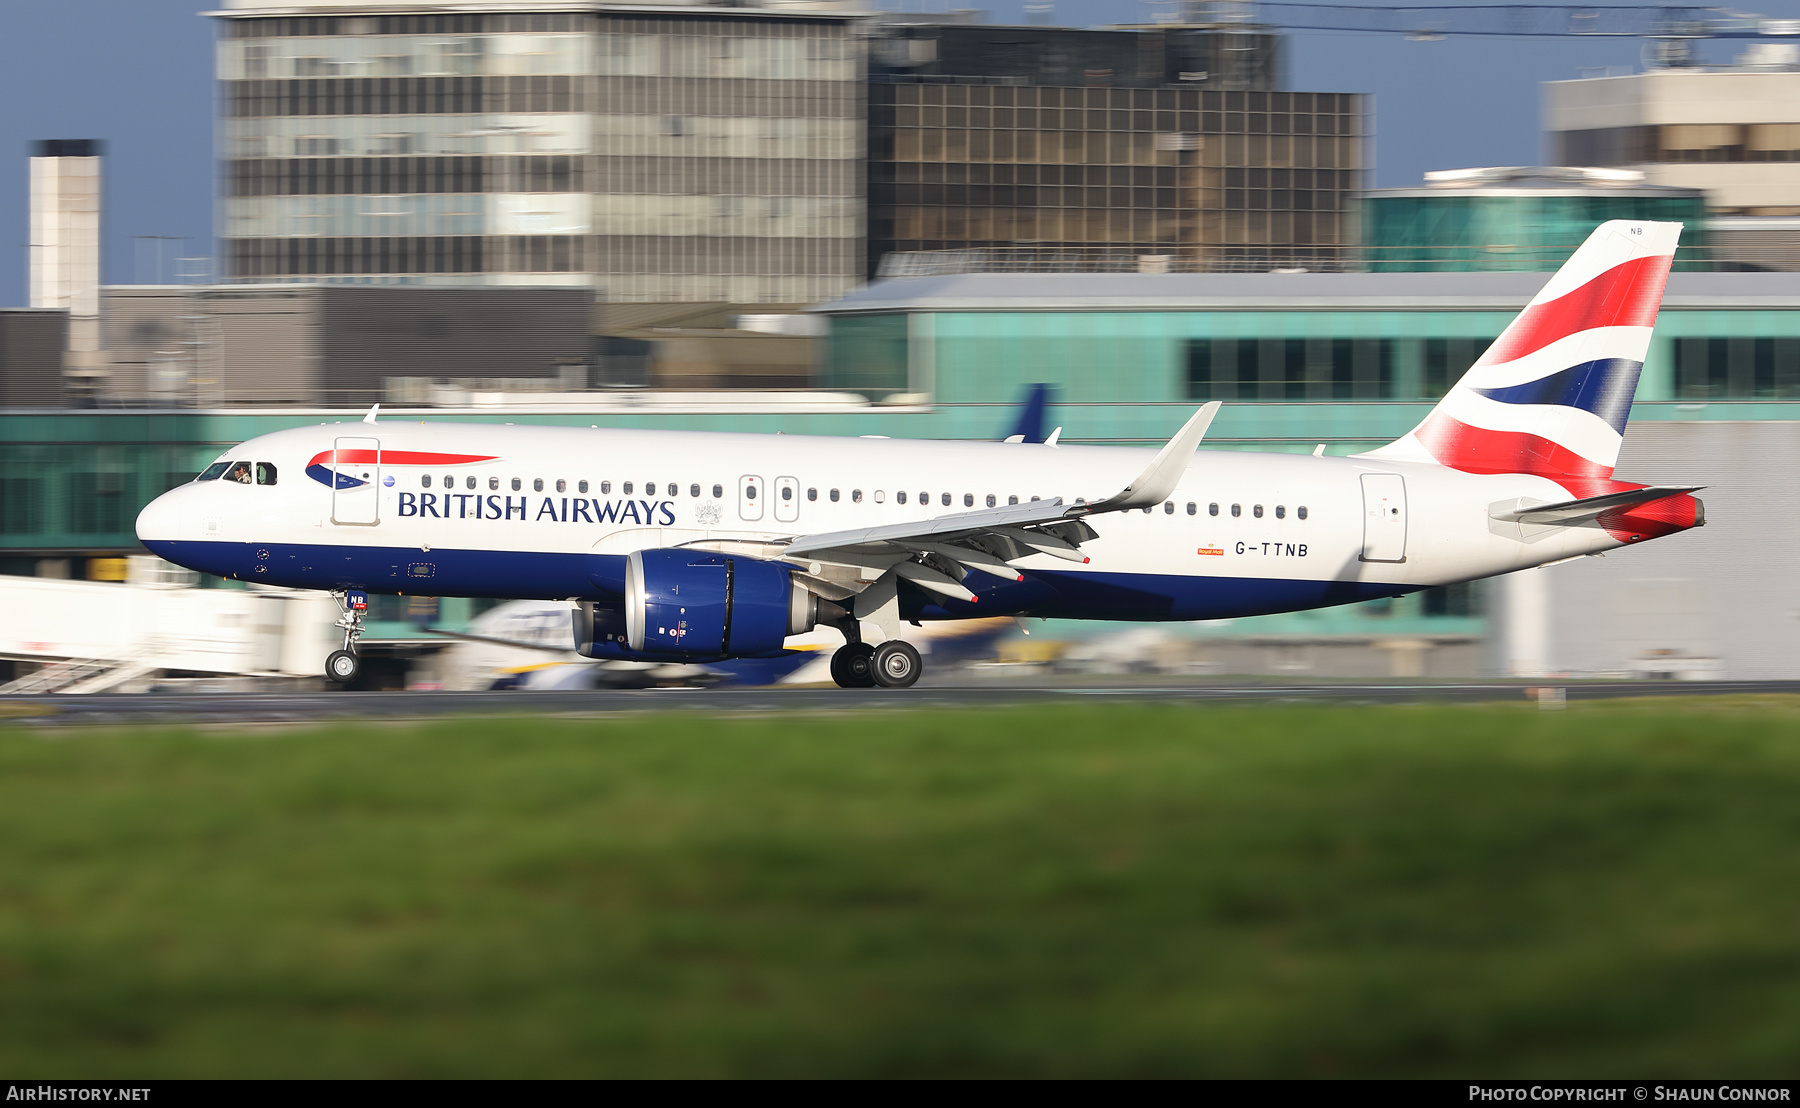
1430 230
658 157
1216 180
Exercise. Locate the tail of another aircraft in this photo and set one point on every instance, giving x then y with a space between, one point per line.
1551 396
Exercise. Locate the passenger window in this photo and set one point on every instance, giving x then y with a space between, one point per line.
749 491
694 491
834 496
880 497
470 482
992 500
968 500
581 486
787 493
562 485
900 497
718 491
1300 511
516 484
1193 508
856 496
1237 510
649 488
606 488
626 488
1012 500
494 483
1257 511
812 494
1280 512
1168 507
537 484
265 473
1212 509
924 498
213 472
946 499
424 480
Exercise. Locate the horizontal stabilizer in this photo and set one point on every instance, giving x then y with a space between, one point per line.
1522 510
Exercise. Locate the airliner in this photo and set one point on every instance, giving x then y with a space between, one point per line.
682 547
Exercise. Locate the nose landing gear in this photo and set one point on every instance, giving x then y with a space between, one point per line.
343 666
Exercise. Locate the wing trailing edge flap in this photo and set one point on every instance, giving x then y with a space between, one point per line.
1525 510
987 540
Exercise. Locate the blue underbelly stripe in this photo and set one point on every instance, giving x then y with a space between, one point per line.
532 575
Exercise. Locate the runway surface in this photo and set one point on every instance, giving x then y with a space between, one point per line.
321 707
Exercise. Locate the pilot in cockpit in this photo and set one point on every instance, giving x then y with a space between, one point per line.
240 473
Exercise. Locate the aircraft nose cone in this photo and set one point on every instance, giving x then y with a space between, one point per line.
160 521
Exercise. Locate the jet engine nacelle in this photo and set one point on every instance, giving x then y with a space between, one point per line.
696 604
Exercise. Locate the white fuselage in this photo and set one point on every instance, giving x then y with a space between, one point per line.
509 511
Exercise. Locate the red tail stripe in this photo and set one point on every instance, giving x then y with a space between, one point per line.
1478 450
399 457
1626 295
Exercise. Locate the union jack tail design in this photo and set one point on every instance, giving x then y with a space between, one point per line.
1551 395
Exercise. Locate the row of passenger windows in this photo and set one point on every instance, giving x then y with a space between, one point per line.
263 473
628 488
673 489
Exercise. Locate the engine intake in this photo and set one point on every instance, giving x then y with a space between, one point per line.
695 604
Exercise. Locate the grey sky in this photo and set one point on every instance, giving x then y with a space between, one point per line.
138 73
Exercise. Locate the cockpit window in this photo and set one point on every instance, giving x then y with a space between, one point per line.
239 472
265 473
213 472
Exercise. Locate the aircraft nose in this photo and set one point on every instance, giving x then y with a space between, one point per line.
160 521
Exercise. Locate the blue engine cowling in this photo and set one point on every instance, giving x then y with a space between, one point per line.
696 604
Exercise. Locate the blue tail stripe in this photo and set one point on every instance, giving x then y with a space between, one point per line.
1603 387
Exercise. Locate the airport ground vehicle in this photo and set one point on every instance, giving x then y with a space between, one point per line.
676 546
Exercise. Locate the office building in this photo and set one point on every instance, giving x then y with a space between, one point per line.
1733 132
648 155
1058 146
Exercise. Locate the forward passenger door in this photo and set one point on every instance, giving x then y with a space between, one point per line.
356 482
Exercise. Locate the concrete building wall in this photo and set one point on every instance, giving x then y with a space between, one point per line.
274 345
65 244
1718 601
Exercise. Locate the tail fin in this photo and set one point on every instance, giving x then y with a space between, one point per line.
1030 425
1551 395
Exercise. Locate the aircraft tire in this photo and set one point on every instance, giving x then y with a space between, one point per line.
853 666
342 666
897 664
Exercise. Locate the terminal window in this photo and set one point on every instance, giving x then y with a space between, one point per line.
1290 369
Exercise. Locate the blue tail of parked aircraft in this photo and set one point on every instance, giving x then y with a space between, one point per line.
1030 425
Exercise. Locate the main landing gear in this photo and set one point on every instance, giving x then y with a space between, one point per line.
893 665
343 666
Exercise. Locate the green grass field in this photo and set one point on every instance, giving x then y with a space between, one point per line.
1070 891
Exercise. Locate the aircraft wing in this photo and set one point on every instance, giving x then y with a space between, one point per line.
936 553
